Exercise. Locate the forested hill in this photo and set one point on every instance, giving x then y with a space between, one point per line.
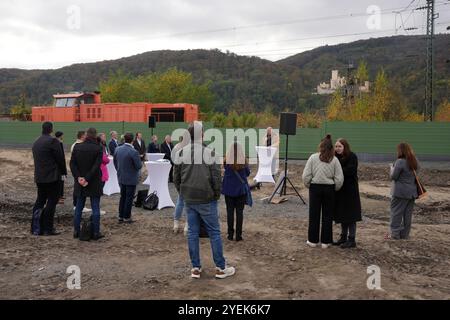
255 82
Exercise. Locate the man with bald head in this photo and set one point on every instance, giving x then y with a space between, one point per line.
166 148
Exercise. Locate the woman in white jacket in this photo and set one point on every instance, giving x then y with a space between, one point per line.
323 176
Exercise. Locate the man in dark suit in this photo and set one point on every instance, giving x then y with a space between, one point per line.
153 146
166 148
49 166
139 145
128 164
85 166
113 144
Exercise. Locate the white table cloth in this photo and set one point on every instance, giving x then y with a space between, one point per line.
112 185
155 156
158 180
265 157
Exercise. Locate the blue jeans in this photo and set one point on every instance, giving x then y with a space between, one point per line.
179 208
95 217
126 201
209 214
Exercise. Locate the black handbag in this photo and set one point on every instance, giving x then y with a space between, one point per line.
140 198
86 230
151 202
203 231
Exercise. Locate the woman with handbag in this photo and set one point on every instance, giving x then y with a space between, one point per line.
235 188
403 192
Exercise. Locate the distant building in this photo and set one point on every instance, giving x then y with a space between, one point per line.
365 88
337 83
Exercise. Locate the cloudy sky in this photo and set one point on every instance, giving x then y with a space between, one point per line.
43 34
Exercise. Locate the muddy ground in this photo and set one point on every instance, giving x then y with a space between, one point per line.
146 260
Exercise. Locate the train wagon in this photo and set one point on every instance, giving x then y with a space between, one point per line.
88 107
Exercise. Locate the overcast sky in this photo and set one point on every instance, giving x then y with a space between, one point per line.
43 34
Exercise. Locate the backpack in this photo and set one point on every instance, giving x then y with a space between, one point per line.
151 202
36 222
141 196
203 232
86 230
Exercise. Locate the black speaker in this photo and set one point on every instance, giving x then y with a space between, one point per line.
151 122
288 123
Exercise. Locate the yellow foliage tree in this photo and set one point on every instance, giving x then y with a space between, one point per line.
443 112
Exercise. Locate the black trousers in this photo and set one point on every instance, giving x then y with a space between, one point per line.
126 201
47 199
321 205
61 189
349 229
235 204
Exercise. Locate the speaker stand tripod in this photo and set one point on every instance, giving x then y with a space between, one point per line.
285 179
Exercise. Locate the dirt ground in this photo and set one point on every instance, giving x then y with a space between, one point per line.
145 260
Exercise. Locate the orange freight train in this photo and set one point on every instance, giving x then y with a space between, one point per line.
87 107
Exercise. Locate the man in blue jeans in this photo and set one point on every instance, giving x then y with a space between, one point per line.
128 163
85 166
197 177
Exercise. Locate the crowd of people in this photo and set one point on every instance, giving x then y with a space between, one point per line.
331 175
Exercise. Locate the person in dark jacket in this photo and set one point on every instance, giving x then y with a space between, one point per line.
403 191
199 184
347 210
60 136
49 166
128 164
233 188
166 148
153 146
139 145
113 144
85 166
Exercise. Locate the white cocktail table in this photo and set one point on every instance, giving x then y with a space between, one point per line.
158 180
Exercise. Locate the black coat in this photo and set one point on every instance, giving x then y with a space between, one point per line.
64 171
49 163
165 149
112 147
85 162
153 148
348 203
140 149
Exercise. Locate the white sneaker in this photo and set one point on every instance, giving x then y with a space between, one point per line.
186 229
176 226
224 273
312 245
325 245
196 272
102 212
86 210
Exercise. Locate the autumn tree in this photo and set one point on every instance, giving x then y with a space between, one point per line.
21 111
172 86
443 111
362 74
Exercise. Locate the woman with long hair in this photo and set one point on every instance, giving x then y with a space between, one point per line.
234 189
323 176
403 191
348 203
101 139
